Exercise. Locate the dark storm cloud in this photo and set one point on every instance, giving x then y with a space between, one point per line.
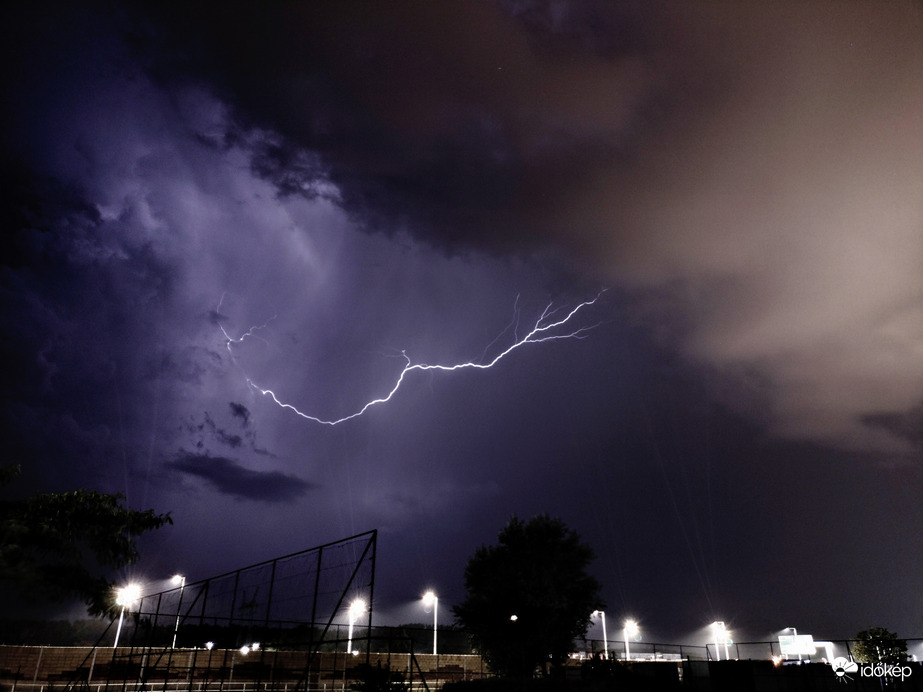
455 135
190 192
908 426
207 430
749 173
230 478
240 411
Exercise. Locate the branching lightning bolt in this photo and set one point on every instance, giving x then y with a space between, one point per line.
543 330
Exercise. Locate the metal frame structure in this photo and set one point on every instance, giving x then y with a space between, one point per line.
269 625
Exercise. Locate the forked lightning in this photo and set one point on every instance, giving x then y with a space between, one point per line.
545 328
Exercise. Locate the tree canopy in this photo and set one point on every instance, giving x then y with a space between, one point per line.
529 597
59 545
878 645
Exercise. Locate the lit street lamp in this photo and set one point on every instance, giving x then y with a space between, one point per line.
631 630
795 632
356 608
602 616
719 628
181 580
430 599
125 597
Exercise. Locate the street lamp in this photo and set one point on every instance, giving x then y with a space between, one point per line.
356 608
430 599
631 630
125 597
719 628
181 580
602 616
795 632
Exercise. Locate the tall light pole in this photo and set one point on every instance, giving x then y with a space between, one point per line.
719 628
125 597
631 630
356 608
181 580
602 616
795 632
430 599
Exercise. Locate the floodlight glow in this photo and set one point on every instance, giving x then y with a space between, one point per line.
795 633
721 634
181 580
127 595
602 616
431 600
629 630
356 608
244 650
209 645
514 618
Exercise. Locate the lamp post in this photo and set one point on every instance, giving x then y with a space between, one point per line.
181 580
795 632
125 597
719 628
630 630
602 616
430 599
356 608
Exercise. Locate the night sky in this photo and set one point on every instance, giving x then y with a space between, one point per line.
207 202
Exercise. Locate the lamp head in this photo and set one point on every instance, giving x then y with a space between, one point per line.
356 608
127 595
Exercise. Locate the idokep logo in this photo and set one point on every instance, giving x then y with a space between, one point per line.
885 670
842 666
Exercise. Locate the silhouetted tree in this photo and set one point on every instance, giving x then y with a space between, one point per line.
59 545
529 597
876 644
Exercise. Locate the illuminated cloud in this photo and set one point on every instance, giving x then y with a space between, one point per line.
230 478
751 175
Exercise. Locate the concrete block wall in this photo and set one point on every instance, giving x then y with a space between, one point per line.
59 663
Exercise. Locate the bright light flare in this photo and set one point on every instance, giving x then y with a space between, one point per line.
722 636
430 600
356 608
127 595
547 327
629 631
